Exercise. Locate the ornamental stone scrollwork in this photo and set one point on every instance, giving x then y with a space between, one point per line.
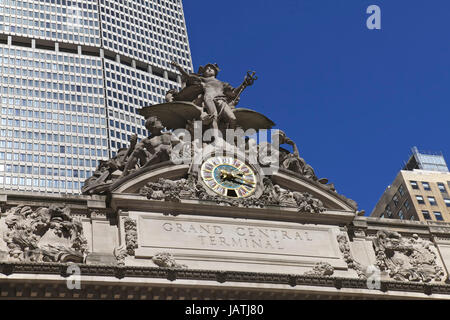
120 253
166 260
407 259
321 269
44 235
344 247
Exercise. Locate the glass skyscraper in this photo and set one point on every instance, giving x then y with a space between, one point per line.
73 77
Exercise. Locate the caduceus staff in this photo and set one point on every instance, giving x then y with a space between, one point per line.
249 80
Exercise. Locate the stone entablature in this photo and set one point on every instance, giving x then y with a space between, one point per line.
413 257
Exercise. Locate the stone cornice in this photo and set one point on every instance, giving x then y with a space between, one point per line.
429 228
219 277
133 202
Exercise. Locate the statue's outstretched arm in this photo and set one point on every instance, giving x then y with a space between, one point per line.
133 142
249 79
180 68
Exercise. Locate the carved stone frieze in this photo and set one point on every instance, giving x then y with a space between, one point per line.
344 246
407 259
167 190
44 235
321 269
166 260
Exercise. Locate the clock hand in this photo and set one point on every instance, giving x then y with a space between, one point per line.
244 184
247 181
225 175
233 176
239 176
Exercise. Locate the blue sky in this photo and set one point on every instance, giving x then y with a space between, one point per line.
354 100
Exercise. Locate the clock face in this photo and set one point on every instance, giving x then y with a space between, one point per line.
229 177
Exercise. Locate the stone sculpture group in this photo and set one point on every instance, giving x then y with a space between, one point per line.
211 102
54 234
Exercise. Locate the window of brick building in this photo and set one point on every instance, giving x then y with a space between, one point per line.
420 200
438 216
442 188
432 201
426 214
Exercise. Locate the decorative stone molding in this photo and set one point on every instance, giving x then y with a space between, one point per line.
407 259
44 235
166 260
321 269
97 215
120 253
131 242
359 233
344 246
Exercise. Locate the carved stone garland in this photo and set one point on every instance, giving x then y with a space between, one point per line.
128 248
344 246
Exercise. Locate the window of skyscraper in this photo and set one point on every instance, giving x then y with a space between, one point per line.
426 186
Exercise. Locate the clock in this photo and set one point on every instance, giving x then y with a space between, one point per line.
229 177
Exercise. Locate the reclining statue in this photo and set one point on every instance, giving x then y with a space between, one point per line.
152 150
